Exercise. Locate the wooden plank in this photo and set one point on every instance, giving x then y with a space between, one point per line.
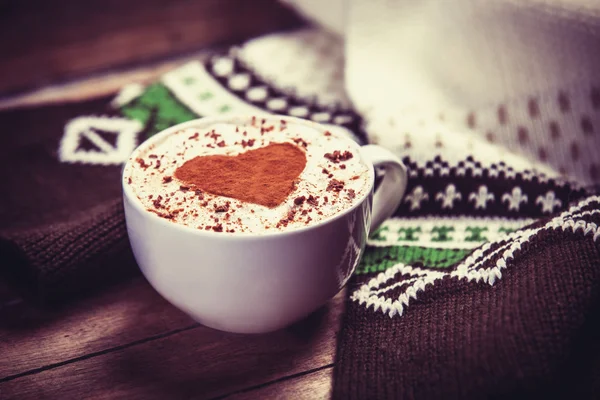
63 39
197 363
96 86
33 338
313 386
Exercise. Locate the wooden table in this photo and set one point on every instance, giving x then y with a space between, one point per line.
127 342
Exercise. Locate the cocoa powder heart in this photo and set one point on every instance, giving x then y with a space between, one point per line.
263 176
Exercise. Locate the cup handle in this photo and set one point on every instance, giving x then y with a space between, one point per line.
388 195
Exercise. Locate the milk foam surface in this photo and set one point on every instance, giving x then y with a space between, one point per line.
151 177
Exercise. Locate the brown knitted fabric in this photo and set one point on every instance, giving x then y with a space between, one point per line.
534 334
57 217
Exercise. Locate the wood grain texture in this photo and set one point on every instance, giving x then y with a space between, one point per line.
312 386
45 41
96 86
196 362
32 338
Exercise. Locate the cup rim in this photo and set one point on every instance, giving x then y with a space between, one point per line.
204 121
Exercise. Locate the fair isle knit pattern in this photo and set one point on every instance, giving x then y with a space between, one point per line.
485 264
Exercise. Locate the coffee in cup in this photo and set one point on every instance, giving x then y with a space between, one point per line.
257 177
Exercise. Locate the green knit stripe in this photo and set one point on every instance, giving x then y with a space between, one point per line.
378 259
157 109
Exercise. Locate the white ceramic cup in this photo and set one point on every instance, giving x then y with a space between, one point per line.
253 283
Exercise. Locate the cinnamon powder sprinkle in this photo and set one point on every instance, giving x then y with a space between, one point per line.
248 176
342 166
218 228
223 207
351 193
355 177
299 200
325 171
157 164
142 163
300 142
129 180
162 215
289 218
312 200
194 136
157 201
221 143
152 156
338 156
184 188
335 185
327 133
248 143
